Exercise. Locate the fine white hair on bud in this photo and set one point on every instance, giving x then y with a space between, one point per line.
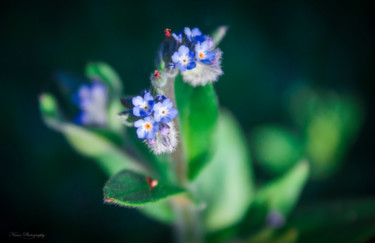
164 143
204 73
124 117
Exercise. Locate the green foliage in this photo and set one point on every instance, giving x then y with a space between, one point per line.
280 195
341 221
131 189
275 148
226 185
198 113
326 124
329 123
161 211
97 144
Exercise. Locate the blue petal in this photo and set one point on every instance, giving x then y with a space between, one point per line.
144 112
150 135
173 113
148 97
157 116
183 50
149 119
191 65
187 32
205 45
181 67
137 100
196 32
141 132
139 123
176 57
137 111
200 38
168 103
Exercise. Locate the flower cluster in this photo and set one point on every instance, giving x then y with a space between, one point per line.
153 118
92 101
196 57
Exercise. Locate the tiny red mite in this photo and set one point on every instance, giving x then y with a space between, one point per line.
167 33
156 74
151 182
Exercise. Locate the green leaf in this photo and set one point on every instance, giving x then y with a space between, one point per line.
131 189
341 221
280 195
226 184
161 211
283 193
198 113
103 72
218 35
329 122
98 144
275 148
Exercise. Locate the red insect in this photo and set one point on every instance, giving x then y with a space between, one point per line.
157 74
167 33
151 182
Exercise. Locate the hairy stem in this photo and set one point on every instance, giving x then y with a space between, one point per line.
178 155
187 221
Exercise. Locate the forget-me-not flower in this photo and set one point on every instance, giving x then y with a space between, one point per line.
184 58
164 111
92 101
178 37
203 53
147 128
143 106
194 35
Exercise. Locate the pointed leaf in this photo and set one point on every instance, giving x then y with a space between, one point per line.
98 144
131 189
279 196
198 112
226 184
283 193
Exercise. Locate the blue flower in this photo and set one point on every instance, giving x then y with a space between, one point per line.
160 97
184 58
147 128
203 54
194 35
92 101
172 66
164 111
178 37
143 106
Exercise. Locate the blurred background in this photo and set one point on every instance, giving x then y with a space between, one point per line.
283 62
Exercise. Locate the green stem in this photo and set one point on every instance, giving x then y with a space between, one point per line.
187 221
188 228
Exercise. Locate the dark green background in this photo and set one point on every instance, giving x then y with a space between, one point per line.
47 188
